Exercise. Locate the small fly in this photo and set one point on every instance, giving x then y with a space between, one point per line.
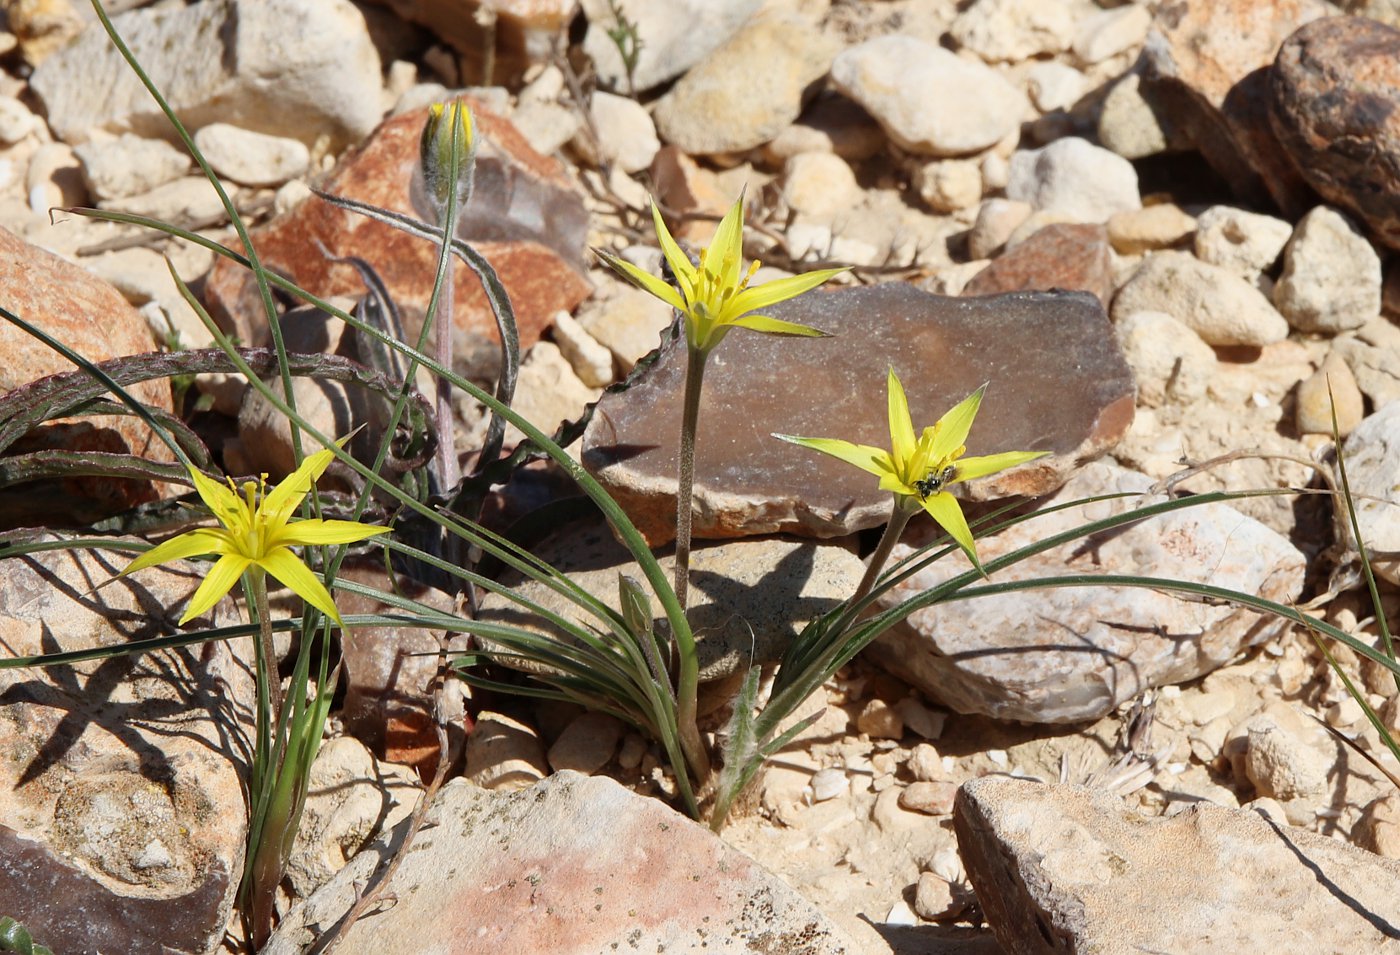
935 481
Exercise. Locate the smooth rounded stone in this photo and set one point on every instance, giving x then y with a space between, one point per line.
1169 360
820 185
1135 123
187 201
91 317
1054 85
351 796
504 754
547 127
725 105
1280 765
1246 243
129 165
996 220
1066 256
829 783
573 864
1159 226
1081 866
919 719
996 172
319 80
1373 354
1074 177
675 36
1014 30
252 158
1379 827
124 819
925 763
748 598
587 743
829 124
943 348
929 798
54 179
629 323
1208 65
929 100
1331 389
626 133
1331 278
935 898
948 185
1333 105
1373 460
525 217
1217 304
1106 33
878 720
587 356
548 392
16 121
1067 655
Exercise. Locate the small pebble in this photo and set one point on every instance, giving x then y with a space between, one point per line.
829 783
930 798
936 899
879 720
925 763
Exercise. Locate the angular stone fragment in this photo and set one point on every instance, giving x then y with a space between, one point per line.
748 599
1207 64
1057 383
1067 655
1333 104
573 864
1062 869
1215 303
524 217
520 32
124 817
1064 256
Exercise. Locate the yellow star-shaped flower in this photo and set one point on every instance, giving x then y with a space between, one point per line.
923 468
258 534
716 296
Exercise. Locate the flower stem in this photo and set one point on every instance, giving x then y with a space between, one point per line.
904 508
266 657
685 476
449 471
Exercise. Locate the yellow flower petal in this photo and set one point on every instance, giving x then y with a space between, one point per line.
643 279
223 503
203 540
222 576
944 509
282 500
324 532
288 568
759 297
976 467
902 444
874 460
675 257
724 256
776 326
954 426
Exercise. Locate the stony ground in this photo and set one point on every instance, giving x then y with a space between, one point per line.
1125 150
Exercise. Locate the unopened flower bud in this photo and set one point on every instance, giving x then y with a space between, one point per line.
446 123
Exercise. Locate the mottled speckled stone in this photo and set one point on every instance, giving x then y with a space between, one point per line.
1062 256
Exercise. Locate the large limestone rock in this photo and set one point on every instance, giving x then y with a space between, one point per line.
1063 869
122 819
1066 655
571 864
305 69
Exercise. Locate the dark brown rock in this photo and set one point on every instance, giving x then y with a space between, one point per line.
1072 257
1058 383
92 318
525 217
1207 63
1335 90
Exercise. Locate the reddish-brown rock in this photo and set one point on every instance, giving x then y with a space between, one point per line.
92 318
1057 383
1208 65
1072 257
525 217
1335 106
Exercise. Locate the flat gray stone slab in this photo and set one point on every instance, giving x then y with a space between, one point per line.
1057 383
